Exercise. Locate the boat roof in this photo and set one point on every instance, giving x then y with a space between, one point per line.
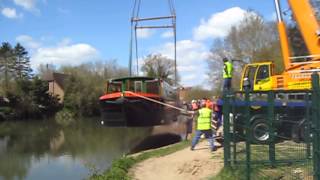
133 78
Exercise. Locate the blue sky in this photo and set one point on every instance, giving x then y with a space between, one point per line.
77 31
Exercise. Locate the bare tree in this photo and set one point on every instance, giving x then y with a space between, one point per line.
156 65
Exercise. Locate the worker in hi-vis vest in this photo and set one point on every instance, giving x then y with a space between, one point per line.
203 126
227 74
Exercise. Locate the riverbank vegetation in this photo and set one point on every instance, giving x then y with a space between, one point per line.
24 92
120 167
86 83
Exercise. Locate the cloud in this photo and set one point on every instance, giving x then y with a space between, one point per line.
10 13
272 17
63 53
26 4
28 42
191 60
219 24
167 34
144 33
188 51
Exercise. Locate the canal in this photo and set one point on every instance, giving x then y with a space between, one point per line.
44 150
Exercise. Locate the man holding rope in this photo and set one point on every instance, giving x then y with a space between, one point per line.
204 127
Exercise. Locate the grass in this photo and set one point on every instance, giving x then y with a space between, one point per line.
286 168
229 174
286 150
120 167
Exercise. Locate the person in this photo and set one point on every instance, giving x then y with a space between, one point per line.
194 105
189 121
217 112
227 74
209 104
203 126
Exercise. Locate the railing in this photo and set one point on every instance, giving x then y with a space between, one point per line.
268 137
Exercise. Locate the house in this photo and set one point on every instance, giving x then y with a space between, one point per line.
183 92
56 84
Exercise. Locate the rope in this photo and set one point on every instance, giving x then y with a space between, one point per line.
159 102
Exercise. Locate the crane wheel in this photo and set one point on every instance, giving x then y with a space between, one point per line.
260 131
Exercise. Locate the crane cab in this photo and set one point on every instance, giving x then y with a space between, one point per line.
257 77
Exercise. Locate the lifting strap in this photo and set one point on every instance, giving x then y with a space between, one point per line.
159 102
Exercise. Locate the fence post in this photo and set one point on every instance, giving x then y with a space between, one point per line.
315 124
308 126
248 134
272 152
234 131
226 128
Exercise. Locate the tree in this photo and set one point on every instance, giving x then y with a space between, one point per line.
85 85
158 66
7 59
198 93
252 40
22 62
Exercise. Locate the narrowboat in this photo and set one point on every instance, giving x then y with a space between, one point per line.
132 101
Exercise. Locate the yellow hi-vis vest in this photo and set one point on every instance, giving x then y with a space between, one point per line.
204 119
227 70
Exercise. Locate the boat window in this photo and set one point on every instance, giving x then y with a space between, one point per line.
138 86
114 87
131 86
152 87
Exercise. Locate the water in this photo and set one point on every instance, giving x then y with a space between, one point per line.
44 150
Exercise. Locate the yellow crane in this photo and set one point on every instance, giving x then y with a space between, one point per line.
296 75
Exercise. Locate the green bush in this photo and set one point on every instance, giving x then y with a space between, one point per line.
64 117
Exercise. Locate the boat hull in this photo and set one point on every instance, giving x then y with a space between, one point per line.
135 112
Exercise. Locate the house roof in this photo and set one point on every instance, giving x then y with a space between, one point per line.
59 78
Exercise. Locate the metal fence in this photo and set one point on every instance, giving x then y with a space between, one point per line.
274 134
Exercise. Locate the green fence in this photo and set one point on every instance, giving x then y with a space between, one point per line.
274 134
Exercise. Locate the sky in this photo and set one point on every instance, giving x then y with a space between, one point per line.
71 32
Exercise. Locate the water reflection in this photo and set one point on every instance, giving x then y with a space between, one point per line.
44 150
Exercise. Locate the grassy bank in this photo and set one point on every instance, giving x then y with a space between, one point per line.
229 174
292 163
120 167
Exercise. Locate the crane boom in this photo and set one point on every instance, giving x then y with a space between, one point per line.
308 24
283 37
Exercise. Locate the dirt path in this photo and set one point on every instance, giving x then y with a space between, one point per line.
184 164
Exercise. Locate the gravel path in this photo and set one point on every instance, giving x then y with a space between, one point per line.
184 164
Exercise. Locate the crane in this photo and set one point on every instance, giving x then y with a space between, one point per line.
296 75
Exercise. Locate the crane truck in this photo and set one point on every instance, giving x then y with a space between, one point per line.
289 113
297 73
